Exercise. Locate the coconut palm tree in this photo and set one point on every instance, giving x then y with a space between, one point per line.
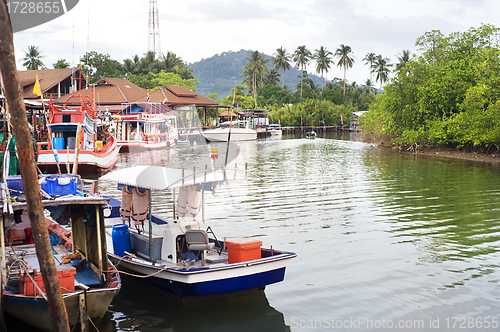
301 57
369 59
272 78
381 68
369 87
171 62
32 59
403 58
323 59
254 71
281 62
345 61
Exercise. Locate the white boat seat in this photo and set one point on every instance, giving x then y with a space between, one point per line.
197 240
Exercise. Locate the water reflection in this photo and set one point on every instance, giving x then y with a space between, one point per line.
378 234
141 307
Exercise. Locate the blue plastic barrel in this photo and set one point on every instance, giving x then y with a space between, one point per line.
121 239
58 143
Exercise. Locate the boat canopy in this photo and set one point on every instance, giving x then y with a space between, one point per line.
162 178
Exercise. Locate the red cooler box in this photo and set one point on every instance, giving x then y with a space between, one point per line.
65 274
242 250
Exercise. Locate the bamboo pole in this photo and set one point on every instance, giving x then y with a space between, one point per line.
77 148
29 175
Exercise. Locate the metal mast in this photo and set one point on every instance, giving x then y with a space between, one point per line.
154 29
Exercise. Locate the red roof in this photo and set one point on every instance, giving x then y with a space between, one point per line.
176 96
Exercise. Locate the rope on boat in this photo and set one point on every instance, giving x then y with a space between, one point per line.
152 274
25 266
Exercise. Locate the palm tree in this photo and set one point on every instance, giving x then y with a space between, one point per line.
272 77
323 59
128 66
255 68
381 67
32 59
281 62
345 60
369 87
302 57
403 58
369 60
171 62
61 63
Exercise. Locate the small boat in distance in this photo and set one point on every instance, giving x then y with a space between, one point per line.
76 134
233 131
311 135
274 129
181 255
142 126
84 272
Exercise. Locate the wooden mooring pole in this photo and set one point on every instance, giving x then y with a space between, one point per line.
27 165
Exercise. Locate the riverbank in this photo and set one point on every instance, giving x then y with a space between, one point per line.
453 153
441 151
446 152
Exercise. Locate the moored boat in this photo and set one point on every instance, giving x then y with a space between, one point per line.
181 255
76 134
234 131
142 126
84 272
274 129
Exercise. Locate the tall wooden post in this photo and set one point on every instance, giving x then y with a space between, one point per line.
29 176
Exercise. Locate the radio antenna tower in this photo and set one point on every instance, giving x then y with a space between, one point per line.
154 30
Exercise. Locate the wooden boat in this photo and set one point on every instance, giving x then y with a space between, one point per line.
181 255
237 131
142 126
92 278
96 150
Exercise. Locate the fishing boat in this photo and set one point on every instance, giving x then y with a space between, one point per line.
142 126
77 137
274 129
181 255
233 131
311 135
88 280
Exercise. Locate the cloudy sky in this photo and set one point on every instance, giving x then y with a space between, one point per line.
198 29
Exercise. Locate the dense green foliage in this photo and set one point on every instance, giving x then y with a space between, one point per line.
153 81
311 113
448 95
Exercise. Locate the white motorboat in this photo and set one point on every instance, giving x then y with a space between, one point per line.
182 256
236 131
274 130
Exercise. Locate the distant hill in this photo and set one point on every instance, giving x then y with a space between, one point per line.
216 73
